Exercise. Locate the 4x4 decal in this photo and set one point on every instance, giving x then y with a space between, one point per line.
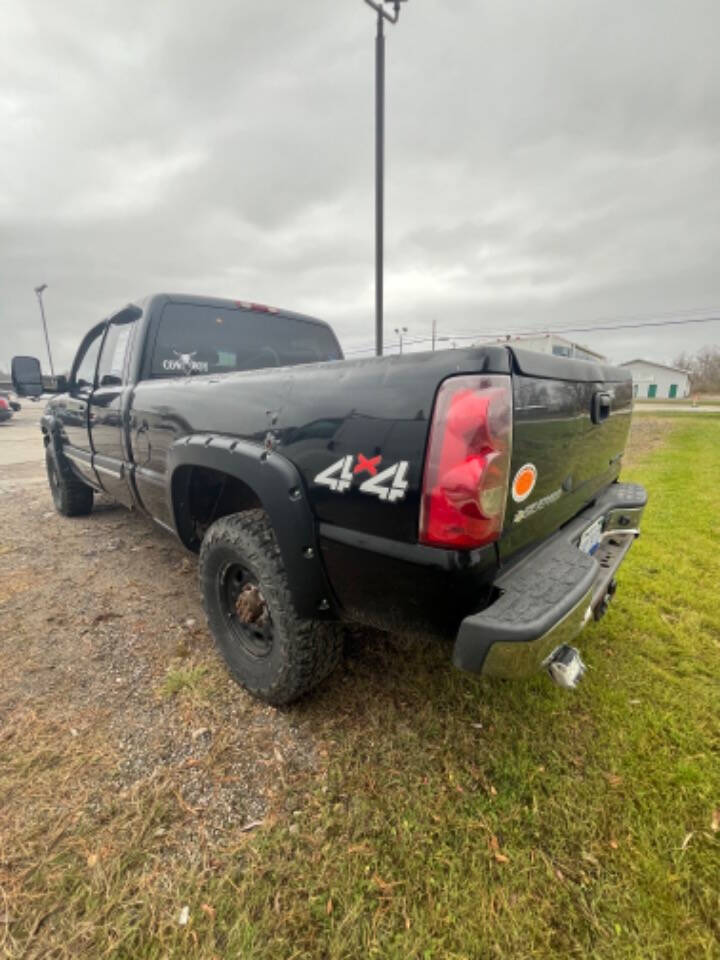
389 484
338 476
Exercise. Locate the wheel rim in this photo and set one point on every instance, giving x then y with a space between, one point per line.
246 610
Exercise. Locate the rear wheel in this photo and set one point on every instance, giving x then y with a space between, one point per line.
72 497
269 650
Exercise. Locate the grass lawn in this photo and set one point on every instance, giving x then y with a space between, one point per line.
446 816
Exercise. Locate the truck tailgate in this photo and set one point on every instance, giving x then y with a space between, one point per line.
570 423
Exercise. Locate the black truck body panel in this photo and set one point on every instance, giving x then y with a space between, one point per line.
312 414
553 429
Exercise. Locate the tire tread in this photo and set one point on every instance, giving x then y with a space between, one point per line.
312 649
75 498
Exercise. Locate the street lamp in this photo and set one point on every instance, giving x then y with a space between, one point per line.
400 331
39 292
382 16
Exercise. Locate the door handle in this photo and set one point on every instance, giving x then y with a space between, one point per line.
600 407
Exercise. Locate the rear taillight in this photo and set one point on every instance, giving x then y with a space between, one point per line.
468 462
4 405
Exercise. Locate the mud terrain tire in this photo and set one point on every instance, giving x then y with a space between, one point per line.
269 650
72 497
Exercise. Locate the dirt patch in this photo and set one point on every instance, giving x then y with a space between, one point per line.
646 435
104 642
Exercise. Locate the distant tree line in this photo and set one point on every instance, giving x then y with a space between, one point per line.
703 367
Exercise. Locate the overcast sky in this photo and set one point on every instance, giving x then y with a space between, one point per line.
554 162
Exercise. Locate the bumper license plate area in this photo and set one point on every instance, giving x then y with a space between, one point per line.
591 536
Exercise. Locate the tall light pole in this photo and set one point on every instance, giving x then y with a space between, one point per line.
400 331
382 16
39 291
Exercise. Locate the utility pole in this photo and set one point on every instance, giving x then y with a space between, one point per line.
382 16
39 291
434 333
400 331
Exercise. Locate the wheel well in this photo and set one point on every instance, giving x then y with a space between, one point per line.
202 495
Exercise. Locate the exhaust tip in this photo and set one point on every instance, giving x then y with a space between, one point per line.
566 667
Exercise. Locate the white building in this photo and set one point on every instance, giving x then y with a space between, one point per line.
657 379
551 343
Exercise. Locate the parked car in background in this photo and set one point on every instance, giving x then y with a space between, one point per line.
7 407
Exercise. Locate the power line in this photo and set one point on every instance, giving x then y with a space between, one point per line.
540 331
688 314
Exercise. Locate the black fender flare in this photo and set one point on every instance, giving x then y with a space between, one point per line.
277 484
50 427
53 440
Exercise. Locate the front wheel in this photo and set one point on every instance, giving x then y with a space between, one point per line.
269 650
72 497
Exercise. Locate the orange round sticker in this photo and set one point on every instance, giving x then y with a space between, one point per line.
524 482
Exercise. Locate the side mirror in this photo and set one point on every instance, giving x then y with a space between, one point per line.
27 376
28 380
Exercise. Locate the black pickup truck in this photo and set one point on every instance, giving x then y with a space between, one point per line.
466 493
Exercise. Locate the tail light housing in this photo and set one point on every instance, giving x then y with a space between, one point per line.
4 405
467 466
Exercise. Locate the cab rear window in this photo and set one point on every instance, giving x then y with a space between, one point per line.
199 339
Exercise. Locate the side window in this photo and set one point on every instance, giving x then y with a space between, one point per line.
85 373
112 358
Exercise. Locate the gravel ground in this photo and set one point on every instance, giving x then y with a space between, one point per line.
102 631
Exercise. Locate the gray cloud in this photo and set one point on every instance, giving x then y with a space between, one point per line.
550 163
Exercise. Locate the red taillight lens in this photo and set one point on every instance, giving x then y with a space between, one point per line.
4 405
468 462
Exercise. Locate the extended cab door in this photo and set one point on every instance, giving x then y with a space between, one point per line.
108 407
71 409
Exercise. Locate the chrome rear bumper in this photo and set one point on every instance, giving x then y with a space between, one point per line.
547 597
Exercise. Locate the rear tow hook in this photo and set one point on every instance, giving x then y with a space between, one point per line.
601 608
566 667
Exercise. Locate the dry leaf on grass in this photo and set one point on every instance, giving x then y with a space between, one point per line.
360 848
253 825
495 848
715 821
